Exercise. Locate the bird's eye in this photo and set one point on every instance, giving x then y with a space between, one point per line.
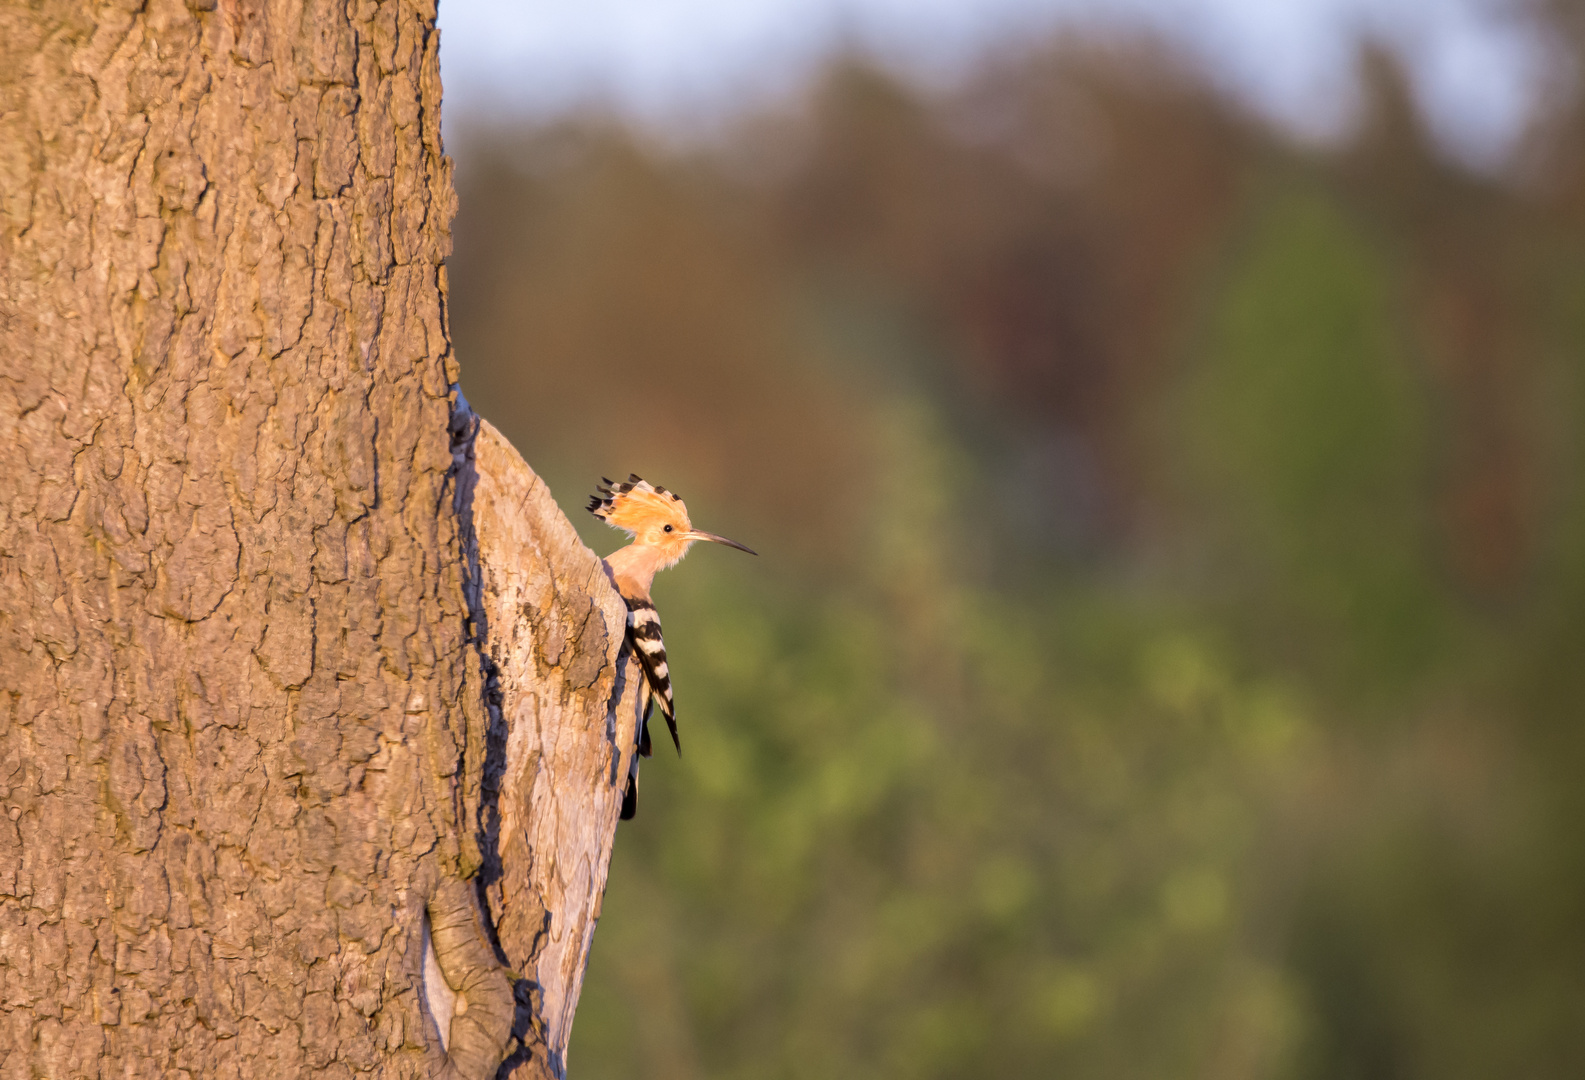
668 528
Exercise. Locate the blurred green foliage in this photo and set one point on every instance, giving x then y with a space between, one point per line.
1164 657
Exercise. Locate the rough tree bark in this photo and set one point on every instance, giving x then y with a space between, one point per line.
312 707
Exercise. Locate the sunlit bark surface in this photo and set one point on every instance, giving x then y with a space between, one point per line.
256 750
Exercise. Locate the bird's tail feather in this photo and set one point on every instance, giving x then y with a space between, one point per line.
643 627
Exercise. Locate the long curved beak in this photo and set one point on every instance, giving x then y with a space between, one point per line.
695 534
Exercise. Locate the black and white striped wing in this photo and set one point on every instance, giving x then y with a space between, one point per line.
643 626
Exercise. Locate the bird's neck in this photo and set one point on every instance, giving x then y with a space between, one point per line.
634 568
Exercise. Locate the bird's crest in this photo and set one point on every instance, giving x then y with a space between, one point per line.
631 504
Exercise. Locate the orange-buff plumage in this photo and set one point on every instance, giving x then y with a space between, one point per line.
657 520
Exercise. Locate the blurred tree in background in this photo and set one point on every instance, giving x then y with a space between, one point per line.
1165 655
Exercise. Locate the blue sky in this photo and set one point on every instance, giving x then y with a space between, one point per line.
1477 67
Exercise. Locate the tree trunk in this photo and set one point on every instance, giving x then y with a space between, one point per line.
312 709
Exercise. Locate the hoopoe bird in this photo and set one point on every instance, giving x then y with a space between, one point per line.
657 521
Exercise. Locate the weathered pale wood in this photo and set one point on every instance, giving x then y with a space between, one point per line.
565 696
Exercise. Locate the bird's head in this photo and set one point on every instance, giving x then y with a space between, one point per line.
652 516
